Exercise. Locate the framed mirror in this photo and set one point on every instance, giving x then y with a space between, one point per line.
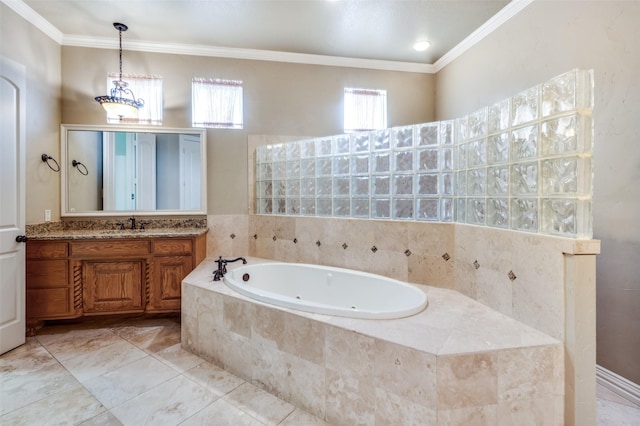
109 171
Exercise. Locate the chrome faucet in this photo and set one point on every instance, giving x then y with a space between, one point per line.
222 266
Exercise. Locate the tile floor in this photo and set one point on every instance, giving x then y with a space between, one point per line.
133 371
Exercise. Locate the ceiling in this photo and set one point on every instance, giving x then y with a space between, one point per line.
378 30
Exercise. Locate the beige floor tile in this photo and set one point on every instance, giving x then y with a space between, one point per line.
29 357
215 379
150 337
302 418
125 383
104 419
613 414
167 404
260 404
71 343
178 358
221 413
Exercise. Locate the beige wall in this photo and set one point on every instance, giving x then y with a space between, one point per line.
21 42
547 39
279 99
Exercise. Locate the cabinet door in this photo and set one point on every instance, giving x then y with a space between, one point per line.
113 286
169 271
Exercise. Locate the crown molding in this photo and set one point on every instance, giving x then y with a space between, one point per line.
506 13
619 385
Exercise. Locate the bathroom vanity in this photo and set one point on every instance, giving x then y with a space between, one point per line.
83 273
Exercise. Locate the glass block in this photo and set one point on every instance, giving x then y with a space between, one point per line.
360 207
293 206
446 210
341 144
341 165
402 137
566 92
308 167
279 152
498 212
428 158
524 106
427 184
446 184
403 161
381 162
524 178
477 182
265 171
461 183
279 188
293 168
477 153
498 117
265 206
476 211
341 186
293 150
403 184
461 156
380 140
524 214
360 185
567 175
566 135
498 180
324 166
264 153
428 134
380 208
265 189
477 124
381 185
308 148
446 158
403 208
427 209
280 206
360 164
360 142
308 187
524 143
461 210
293 188
324 147
324 186
342 207
446 133
567 217
279 169
324 206
308 206
461 129
498 148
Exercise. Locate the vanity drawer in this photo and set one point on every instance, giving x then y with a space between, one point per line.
47 273
172 246
46 249
110 248
48 303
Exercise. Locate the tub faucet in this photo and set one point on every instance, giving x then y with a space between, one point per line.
222 266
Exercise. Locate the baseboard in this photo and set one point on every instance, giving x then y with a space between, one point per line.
618 384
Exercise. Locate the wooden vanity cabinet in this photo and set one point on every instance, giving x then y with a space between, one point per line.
72 278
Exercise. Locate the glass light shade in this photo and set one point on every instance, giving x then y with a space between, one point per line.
120 107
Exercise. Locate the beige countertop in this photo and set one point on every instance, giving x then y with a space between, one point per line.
83 234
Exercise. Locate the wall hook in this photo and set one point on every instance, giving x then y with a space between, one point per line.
46 158
82 169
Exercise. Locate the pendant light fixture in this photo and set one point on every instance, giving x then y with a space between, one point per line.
121 101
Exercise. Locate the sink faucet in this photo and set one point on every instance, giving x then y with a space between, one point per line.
133 222
222 266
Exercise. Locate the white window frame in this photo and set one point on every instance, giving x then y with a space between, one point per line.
217 103
145 87
364 109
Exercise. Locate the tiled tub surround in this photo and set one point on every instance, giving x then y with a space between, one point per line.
456 362
524 164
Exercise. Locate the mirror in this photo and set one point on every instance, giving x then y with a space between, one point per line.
113 170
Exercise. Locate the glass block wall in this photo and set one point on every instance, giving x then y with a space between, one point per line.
524 163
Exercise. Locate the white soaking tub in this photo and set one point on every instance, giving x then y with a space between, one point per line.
327 290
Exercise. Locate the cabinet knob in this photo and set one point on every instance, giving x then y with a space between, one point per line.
21 239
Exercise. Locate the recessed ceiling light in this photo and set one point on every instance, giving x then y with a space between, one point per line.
421 46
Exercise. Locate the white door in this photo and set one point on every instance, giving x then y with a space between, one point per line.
145 178
190 172
12 178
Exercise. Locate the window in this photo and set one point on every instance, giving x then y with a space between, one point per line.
216 103
364 109
147 88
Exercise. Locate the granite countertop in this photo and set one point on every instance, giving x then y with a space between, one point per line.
82 234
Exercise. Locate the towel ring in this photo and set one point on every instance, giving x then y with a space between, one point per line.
46 158
81 167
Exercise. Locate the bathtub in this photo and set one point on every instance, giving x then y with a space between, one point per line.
327 290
